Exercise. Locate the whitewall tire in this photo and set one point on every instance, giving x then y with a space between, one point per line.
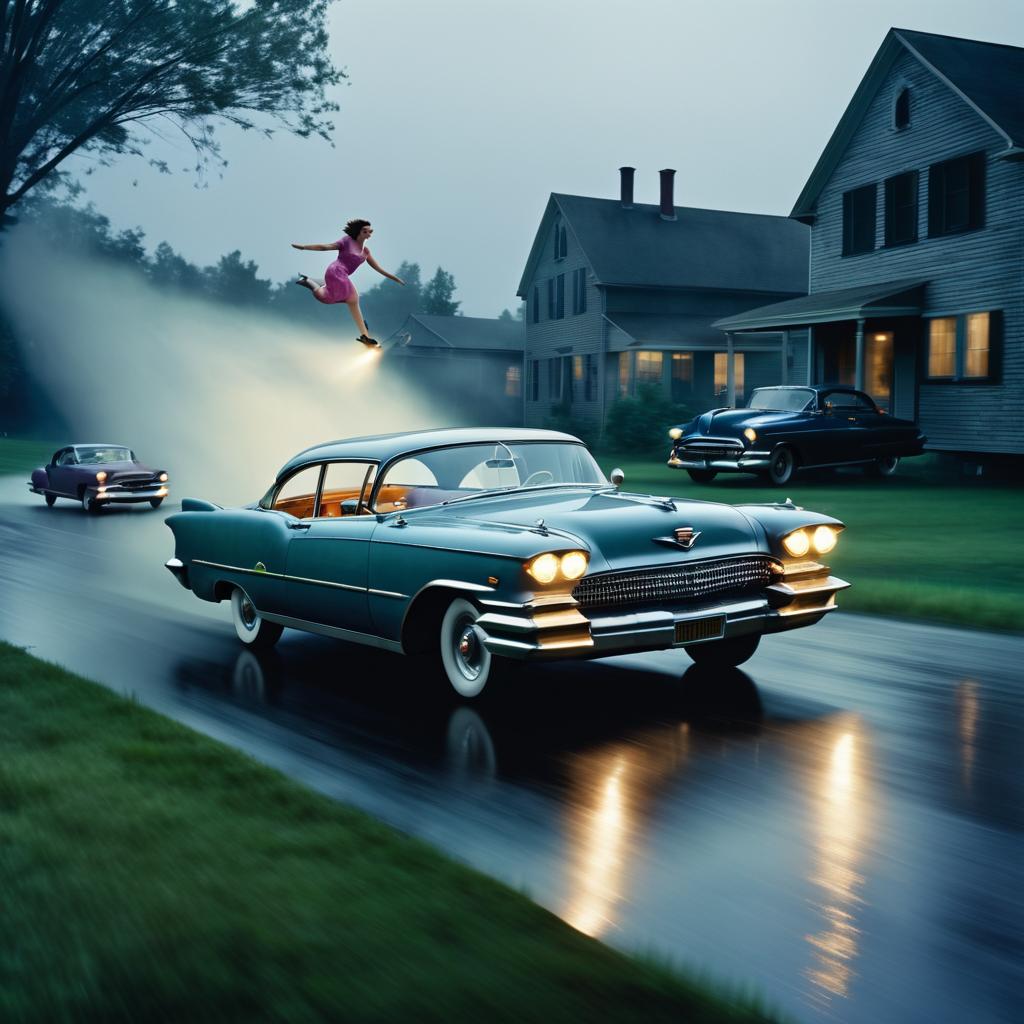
252 629
467 662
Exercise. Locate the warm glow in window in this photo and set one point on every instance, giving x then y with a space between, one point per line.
682 367
976 358
942 347
623 373
648 367
722 372
513 381
577 368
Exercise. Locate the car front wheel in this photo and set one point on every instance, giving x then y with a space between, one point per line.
702 476
782 466
885 466
725 653
50 499
467 662
90 505
252 629
156 502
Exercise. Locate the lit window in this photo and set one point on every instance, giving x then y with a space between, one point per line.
722 372
682 375
623 374
513 381
942 347
976 357
648 367
577 367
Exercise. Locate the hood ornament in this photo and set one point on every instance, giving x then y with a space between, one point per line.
686 536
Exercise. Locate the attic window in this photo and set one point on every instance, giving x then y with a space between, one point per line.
561 242
901 109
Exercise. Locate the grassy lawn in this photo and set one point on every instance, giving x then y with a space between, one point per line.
922 544
147 872
17 456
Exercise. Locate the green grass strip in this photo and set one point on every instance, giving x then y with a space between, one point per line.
18 456
150 873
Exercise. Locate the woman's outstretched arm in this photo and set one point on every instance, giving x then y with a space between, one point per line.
380 270
317 246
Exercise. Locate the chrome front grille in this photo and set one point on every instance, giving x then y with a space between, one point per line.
686 581
133 483
707 451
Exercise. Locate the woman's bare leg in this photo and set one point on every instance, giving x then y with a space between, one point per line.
357 313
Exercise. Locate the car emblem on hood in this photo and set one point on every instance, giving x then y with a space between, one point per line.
686 536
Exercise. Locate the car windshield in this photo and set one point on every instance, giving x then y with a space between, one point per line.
94 455
781 399
448 474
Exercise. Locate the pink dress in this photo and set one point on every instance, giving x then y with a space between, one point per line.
337 286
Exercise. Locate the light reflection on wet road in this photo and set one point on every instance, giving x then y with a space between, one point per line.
839 824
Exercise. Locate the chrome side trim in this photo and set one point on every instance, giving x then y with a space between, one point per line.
280 576
388 593
336 632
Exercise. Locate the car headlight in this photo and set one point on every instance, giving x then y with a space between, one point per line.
797 544
101 476
824 539
675 433
162 478
750 434
547 567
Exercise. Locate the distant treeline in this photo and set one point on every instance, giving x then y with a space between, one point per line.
232 280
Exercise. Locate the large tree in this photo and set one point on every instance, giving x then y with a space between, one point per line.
439 295
88 76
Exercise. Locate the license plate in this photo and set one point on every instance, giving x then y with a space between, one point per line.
692 630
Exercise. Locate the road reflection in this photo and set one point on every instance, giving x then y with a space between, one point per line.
839 808
968 713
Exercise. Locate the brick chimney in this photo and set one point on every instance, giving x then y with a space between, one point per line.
626 186
668 206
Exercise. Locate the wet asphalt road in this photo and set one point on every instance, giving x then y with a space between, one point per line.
839 823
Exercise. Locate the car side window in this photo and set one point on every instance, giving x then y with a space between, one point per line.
346 489
297 495
67 458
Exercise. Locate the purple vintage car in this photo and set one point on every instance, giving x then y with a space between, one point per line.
98 475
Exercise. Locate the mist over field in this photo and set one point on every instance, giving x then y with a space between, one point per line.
218 396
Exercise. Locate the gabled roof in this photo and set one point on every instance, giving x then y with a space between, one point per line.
890 298
422 330
714 249
989 77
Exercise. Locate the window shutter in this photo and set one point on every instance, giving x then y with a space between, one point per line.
890 211
847 223
995 346
976 172
936 178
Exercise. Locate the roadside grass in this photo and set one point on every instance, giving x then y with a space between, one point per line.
20 456
922 544
147 872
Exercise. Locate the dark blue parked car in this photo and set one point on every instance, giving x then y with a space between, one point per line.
789 428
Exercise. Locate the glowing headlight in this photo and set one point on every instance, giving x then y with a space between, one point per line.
797 544
750 434
543 568
675 433
824 539
101 476
573 565
162 478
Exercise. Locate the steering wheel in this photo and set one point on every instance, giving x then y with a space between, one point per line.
541 476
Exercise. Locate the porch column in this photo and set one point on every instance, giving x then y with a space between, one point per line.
858 377
784 379
810 355
730 370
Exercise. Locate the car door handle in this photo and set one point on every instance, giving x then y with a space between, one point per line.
299 526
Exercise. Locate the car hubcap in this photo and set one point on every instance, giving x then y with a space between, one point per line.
248 613
468 650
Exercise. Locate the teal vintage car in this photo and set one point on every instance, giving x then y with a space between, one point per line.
480 547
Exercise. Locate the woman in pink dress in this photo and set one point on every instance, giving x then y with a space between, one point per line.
338 287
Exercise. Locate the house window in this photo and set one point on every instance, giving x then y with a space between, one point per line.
560 296
956 195
901 209
648 367
579 291
722 372
623 382
536 304
942 347
551 298
859 220
534 380
561 242
977 350
578 371
555 378
682 375
514 381
901 109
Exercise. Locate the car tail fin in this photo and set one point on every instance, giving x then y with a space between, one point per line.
198 505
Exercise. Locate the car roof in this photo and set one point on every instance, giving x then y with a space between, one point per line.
97 444
806 387
384 447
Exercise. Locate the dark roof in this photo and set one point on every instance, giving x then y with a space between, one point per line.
890 298
988 76
717 249
422 330
381 447
652 331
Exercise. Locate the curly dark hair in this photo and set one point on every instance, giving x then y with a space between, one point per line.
353 227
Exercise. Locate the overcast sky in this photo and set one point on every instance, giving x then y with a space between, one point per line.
461 116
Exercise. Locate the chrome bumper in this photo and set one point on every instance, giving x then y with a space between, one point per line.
553 626
742 461
179 571
113 494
